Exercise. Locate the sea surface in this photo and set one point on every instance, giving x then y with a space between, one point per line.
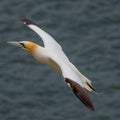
89 33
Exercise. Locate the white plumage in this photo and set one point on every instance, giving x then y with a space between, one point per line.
53 55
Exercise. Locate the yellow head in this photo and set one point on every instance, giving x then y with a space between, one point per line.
26 45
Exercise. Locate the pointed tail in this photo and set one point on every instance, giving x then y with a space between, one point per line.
89 87
86 81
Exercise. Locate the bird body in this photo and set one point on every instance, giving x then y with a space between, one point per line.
53 55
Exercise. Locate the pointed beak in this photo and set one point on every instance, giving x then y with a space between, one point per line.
15 44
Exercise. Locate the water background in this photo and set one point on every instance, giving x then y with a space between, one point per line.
88 31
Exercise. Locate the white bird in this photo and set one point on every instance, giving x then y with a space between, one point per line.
53 55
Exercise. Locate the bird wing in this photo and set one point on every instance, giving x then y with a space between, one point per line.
74 82
80 93
48 41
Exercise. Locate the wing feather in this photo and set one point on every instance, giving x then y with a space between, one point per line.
80 93
48 40
75 83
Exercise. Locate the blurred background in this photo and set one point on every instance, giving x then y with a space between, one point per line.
88 31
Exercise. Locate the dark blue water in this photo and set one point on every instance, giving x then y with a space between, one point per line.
88 31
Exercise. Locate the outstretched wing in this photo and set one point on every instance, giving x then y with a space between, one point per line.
74 82
48 41
80 93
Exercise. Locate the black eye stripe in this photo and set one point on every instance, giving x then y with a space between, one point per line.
23 45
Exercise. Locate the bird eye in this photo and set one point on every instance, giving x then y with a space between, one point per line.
23 45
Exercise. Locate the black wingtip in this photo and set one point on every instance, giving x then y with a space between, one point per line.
80 93
27 21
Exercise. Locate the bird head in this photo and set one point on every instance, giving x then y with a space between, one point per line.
25 45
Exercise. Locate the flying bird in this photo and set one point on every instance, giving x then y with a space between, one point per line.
53 55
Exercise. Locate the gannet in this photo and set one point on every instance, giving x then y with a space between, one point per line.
53 55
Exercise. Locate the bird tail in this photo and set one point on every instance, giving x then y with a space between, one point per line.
86 81
89 86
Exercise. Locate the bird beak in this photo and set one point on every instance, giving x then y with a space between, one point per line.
15 44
